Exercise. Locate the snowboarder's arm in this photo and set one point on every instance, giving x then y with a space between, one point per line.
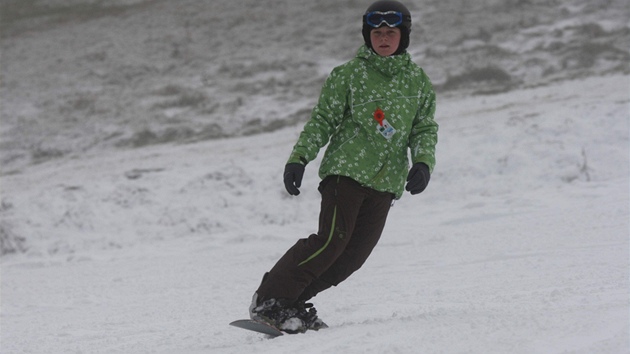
325 118
423 137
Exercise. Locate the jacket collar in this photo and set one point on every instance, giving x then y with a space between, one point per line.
388 66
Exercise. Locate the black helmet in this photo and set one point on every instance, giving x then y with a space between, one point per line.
381 8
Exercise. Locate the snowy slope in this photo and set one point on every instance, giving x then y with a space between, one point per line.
519 245
142 145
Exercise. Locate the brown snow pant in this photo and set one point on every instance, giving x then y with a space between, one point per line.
351 220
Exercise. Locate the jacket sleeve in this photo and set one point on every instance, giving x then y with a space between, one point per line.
423 137
325 118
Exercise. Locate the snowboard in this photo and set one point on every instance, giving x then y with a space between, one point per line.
256 326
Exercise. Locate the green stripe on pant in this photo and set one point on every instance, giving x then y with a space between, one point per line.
330 235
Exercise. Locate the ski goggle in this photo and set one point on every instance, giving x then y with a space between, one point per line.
378 18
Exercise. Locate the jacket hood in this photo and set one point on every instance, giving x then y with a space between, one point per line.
388 66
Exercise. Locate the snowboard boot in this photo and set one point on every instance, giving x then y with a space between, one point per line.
277 313
308 314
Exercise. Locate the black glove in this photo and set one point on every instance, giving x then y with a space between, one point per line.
418 178
293 173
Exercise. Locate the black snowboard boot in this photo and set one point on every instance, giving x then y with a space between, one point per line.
278 314
308 314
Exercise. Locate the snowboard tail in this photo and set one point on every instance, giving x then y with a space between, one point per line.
257 326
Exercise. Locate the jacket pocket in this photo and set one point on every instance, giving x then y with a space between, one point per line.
344 141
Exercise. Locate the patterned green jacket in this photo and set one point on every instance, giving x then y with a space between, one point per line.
361 104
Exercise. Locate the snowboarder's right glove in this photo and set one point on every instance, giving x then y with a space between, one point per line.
293 173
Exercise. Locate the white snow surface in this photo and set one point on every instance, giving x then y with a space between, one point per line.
520 244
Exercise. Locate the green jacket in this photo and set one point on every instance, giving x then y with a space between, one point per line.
344 118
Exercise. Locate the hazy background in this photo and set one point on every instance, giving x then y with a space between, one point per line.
82 76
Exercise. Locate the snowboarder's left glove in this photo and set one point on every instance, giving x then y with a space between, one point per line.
418 178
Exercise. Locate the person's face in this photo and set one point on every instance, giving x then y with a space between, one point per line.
385 40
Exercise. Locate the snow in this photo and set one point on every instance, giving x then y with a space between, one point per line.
520 244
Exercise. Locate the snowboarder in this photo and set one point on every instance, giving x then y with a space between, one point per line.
372 111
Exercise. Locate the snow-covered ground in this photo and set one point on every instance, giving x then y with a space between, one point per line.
142 149
520 244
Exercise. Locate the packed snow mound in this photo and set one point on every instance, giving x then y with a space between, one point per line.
501 145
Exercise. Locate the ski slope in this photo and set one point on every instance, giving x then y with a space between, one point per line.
519 245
